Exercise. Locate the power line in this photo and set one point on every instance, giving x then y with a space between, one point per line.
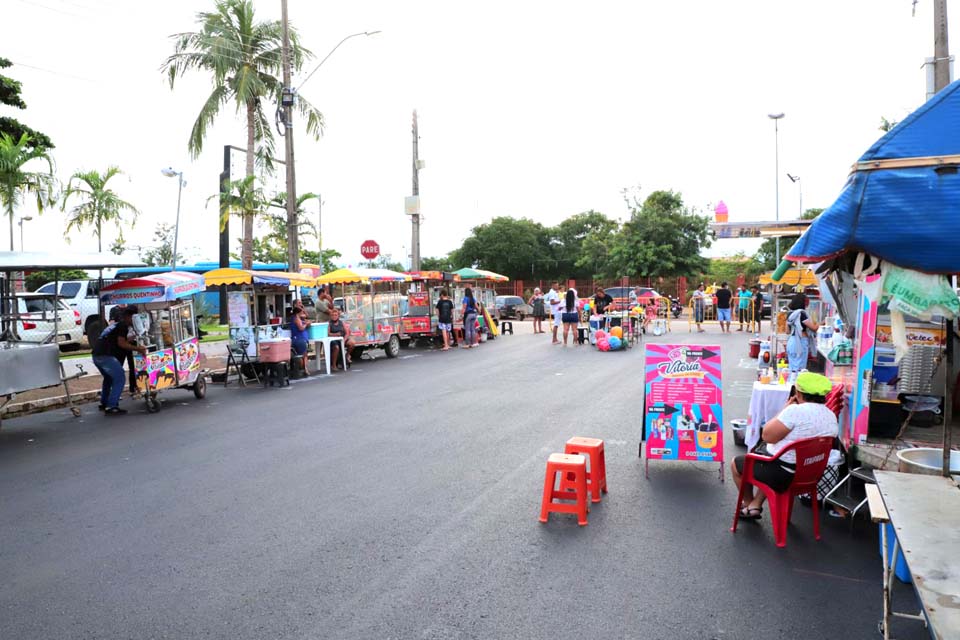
48 8
56 73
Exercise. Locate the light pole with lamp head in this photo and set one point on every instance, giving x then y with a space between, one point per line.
20 224
170 172
776 117
796 180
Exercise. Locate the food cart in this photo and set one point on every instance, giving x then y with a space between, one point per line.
420 319
166 325
257 302
374 304
481 281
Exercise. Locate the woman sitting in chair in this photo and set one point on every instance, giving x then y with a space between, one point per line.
804 416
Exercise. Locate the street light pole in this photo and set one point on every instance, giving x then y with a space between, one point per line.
173 173
20 223
776 163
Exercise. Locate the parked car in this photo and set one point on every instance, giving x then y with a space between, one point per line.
621 297
511 307
81 296
767 306
36 323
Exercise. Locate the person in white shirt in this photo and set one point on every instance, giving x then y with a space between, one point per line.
804 416
555 300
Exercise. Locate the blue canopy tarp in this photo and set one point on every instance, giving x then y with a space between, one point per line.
902 201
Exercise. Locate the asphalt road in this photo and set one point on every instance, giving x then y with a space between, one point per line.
400 500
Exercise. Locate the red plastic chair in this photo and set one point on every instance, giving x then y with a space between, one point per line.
812 457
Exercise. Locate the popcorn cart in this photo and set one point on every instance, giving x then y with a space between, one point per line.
166 325
420 319
374 304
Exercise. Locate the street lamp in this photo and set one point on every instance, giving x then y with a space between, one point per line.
170 172
796 180
776 160
20 224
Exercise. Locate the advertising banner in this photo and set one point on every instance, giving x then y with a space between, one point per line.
683 406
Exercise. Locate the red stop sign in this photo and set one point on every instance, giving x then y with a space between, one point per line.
370 249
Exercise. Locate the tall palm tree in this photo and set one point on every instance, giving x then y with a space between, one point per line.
99 205
244 58
16 182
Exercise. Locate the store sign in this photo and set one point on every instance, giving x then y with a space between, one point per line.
369 249
683 406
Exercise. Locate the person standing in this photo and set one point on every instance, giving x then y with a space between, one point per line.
723 297
553 299
445 317
699 301
324 304
470 310
744 300
109 351
757 308
799 324
570 315
536 302
601 300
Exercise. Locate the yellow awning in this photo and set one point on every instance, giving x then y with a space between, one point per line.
362 275
229 276
218 277
801 277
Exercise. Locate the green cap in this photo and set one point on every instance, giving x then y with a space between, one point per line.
813 384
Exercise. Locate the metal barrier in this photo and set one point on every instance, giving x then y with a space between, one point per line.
703 312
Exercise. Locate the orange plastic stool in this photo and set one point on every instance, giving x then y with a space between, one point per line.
597 474
573 471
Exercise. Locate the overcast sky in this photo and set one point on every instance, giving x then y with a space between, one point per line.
536 109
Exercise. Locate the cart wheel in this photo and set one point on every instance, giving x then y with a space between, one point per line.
153 403
75 411
393 347
200 388
521 317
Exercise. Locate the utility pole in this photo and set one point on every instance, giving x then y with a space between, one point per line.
287 100
415 217
320 232
941 78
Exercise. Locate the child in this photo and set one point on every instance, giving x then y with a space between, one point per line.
445 317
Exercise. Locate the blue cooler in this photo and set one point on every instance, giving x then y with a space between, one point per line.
901 570
596 324
318 331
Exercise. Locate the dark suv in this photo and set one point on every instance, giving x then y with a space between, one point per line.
511 307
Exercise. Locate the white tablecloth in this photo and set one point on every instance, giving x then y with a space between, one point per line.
766 401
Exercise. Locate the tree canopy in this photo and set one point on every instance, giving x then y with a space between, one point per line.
98 203
512 246
16 181
10 90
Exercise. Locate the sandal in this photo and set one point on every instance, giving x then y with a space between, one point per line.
751 513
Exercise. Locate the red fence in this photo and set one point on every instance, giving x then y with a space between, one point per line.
585 287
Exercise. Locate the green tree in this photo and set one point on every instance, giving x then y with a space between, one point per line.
385 261
37 279
99 205
582 244
16 182
511 246
160 254
661 238
10 96
329 262
243 57
243 198
766 255
272 247
440 263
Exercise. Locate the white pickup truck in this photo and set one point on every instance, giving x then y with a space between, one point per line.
81 296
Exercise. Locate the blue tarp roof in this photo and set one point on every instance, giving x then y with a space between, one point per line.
906 216
199 267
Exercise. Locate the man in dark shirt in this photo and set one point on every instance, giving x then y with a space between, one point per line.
601 301
724 295
445 317
336 328
757 307
109 351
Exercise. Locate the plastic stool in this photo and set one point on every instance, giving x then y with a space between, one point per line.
506 326
592 448
582 334
567 466
458 334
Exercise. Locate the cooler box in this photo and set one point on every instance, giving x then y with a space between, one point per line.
901 570
318 331
275 351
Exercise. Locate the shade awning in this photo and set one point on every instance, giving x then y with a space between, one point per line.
42 260
161 287
469 273
228 276
433 275
362 276
800 277
902 199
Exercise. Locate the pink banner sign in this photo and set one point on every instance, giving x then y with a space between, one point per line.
683 406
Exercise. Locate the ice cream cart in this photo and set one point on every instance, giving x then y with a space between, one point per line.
420 319
165 324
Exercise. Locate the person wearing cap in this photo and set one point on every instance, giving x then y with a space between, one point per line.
804 416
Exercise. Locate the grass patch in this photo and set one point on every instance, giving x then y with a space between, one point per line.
215 337
214 328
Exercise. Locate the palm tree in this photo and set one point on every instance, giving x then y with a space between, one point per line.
244 58
99 205
247 200
15 182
